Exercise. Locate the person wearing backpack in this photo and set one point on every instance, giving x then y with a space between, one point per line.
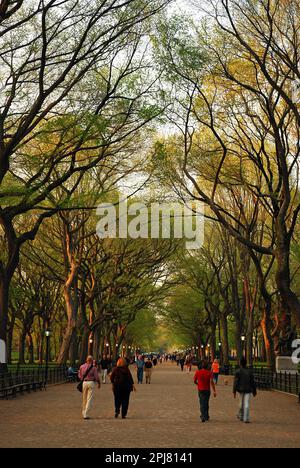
244 385
122 385
149 369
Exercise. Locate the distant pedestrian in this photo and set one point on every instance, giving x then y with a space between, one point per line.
88 374
148 369
244 385
216 371
104 366
123 385
188 363
204 380
182 362
140 364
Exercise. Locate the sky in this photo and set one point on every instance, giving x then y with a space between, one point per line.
186 7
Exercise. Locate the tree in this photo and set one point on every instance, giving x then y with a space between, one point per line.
71 84
238 128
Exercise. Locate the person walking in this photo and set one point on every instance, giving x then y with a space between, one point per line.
88 374
244 384
140 364
188 363
204 380
182 362
122 385
216 371
104 366
148 369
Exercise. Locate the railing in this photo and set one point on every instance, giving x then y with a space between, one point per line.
54 374
281 381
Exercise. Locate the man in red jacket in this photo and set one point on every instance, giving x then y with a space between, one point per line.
204 379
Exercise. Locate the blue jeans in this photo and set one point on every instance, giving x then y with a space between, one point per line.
244 406
216 378
140 375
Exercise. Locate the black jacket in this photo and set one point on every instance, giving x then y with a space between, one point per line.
122 380
244 382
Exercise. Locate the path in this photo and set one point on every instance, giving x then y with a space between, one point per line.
163 415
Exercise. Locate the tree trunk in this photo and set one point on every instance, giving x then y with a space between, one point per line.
250 323
4 294
30 349
266 325
266 322
96 349
213 348
238 340
9 344
66 344
84 345
71 300
224 338
283 274
73 355
22 341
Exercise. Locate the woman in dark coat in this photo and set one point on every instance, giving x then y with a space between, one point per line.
123 385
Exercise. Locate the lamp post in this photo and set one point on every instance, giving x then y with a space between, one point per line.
91 342
243 338
48 335
220 352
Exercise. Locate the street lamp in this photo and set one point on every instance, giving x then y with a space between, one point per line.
243 338
220 352
48 335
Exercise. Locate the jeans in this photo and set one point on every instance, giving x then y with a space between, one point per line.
204 397
104 373
216 378
244 406
122 398
140 375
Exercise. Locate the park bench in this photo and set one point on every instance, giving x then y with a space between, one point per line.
72 377
10 386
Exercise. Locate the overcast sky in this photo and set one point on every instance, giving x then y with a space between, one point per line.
186 7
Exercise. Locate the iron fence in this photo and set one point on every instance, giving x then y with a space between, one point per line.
17 375
267 379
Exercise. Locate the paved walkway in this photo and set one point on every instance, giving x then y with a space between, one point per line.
162 415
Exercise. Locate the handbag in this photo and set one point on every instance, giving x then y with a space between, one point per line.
80 385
